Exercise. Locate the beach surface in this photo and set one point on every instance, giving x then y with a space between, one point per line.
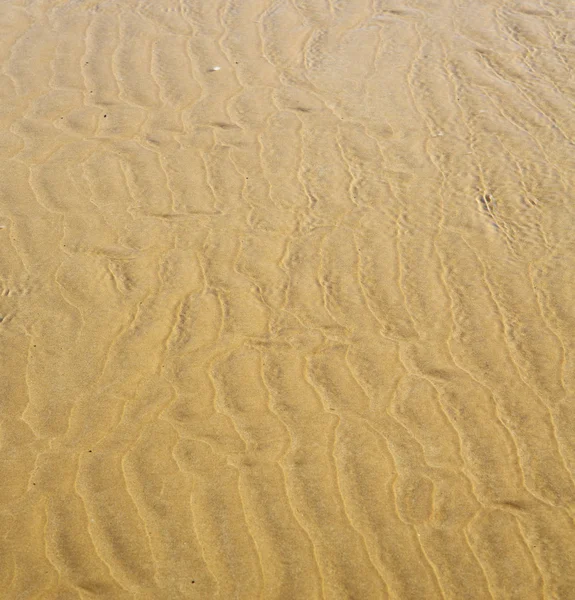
287 299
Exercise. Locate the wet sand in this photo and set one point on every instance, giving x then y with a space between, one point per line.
297 327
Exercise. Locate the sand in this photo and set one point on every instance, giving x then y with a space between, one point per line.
287 299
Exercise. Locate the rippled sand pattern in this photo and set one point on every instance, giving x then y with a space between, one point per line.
298 327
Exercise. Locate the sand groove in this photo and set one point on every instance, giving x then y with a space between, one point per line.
299 326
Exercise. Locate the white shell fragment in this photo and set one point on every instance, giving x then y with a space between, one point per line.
212 69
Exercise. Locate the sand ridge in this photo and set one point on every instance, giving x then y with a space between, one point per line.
298 327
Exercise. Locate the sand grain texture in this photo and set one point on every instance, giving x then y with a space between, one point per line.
298 327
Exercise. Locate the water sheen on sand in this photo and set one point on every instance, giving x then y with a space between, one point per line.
287 299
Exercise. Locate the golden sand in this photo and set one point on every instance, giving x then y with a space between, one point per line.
287 299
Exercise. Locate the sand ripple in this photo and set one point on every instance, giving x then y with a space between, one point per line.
287 299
